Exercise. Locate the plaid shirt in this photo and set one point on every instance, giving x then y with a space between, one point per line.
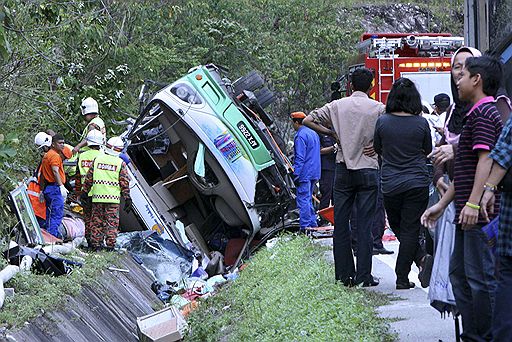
502 154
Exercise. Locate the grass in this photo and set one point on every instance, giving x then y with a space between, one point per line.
288 293
35 294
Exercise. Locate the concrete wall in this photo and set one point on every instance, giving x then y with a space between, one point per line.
105 312
487 22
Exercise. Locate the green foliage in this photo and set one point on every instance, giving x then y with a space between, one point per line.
288 293
55 53
8 144
5 48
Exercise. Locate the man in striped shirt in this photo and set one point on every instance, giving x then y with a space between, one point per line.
472 262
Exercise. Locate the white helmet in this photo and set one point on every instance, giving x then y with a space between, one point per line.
42 139
94 138
115 146
89 106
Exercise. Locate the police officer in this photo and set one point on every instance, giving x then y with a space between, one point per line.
106 182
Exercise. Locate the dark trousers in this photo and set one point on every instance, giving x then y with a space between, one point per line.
404 212
378 225
326 184
42 222
359 188
502 324
474 283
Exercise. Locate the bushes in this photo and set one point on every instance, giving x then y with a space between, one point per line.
288 293
54 54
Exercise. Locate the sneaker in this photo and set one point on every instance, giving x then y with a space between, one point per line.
426 270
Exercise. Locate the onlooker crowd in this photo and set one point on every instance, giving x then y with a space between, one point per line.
472 155
371 161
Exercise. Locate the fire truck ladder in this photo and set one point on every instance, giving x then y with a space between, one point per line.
428 46
386 52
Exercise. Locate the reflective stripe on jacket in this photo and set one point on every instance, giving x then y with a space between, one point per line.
105 179
85 161
33 191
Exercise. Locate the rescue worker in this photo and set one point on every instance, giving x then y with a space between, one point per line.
306 169
90 112
52 185
43 142
106 182
69 159
85 160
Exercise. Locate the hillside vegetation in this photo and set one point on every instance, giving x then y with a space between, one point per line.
55 53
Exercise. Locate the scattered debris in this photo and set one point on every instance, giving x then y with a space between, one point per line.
165 325
5 275
26 215
111 268
38 260
167 261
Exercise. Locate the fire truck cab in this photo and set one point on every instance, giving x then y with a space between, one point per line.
425 58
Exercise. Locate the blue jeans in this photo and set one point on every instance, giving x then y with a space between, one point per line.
54 209
305 204
351 187
473 283
502 324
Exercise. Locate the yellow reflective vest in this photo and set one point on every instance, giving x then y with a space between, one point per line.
98 122
105 179
85 161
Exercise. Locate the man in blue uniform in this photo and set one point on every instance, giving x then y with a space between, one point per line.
306 169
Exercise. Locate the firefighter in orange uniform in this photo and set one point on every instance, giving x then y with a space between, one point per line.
43 142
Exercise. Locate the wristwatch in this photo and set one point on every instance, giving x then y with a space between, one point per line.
489 187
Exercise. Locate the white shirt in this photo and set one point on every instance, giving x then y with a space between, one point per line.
435 121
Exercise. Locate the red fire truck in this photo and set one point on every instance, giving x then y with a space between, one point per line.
425 58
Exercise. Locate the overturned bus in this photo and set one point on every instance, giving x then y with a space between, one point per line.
206 165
